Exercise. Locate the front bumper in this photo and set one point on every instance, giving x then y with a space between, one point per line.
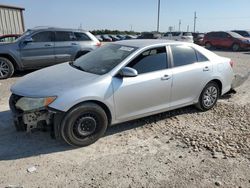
36 119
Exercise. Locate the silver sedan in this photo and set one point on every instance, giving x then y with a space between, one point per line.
118 82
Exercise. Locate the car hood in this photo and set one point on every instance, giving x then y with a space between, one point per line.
52 81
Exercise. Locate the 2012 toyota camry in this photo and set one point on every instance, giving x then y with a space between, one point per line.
118 82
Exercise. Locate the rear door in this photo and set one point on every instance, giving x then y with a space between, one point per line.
40 52
191 71
66 46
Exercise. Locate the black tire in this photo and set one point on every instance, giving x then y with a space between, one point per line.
208 45
6 68
84 125
236 47
208 96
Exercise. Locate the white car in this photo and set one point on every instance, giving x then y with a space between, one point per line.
118 82
179 36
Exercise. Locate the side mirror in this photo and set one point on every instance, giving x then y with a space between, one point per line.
128 72
28 40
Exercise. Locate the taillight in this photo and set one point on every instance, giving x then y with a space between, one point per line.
231 63
98 44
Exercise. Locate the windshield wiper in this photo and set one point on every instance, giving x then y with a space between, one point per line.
76 66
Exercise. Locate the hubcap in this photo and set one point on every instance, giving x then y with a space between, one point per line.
85 126
4 69
236 47
210 96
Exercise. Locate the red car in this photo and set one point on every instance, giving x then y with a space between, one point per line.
9 38
229 39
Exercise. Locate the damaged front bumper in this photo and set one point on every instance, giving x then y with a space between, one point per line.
40 119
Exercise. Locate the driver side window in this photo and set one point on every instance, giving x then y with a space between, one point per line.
150 61
45 36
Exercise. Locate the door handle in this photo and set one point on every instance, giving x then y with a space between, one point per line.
73 44
165 77
206 69
48 45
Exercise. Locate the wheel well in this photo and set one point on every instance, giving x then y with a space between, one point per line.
13 61
102 105
218 82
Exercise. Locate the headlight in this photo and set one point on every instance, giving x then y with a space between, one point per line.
246 41
27 104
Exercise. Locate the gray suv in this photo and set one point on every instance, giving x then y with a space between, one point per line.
41 47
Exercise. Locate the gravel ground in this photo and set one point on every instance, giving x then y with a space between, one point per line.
181 148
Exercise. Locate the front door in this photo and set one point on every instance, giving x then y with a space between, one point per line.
39 52
147 93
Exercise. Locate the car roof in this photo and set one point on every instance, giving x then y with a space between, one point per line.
140 43
55 29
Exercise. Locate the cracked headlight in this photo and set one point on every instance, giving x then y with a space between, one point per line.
27 104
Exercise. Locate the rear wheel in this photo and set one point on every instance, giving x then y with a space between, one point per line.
84 125
209 96
236 47
6 68
208 45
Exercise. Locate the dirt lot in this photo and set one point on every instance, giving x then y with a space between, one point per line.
181 148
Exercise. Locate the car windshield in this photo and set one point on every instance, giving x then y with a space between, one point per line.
235 35
23 35
104 59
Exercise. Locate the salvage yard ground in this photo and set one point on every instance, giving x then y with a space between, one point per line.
181 148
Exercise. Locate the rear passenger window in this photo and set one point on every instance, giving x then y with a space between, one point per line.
150 60
81 37
183 55
64 36
201 57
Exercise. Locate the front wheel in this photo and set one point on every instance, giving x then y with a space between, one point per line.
236 47
84 125
208 96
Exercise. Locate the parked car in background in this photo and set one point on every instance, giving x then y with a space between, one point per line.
121 37
116 83
179 36
228 40
149 35
243 33
41 47
9 38
198 38
99 37
114 38
106 38
129 37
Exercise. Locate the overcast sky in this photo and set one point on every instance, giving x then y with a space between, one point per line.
141 15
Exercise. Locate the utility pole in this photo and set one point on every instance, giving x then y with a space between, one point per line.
179 25
195 18
158 19
187 28
131 27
